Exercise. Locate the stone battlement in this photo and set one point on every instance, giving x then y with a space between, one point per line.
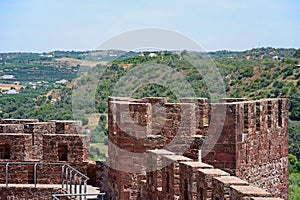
53 141
57 141
193 149
246 139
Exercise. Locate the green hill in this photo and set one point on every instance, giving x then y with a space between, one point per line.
254 74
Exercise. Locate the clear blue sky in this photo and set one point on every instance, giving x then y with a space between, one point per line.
40 25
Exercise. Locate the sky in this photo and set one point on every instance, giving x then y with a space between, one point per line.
47 25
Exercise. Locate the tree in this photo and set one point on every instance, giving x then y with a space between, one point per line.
297 54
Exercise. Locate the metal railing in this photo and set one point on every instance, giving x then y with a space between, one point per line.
100 196
72 180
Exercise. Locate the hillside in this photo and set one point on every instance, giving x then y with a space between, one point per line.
256 73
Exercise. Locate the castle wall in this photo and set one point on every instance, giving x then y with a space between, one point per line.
204 182
219 149
221 186
154 149
49 142
77 148
67 126
171 176
153 185
11 128
37 130
188 178
262 153
16 174
132 131
129 126
239 129
30 193
195 180
15 147
18 121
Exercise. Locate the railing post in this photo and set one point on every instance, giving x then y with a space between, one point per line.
75 183
34 179
71 181
84 189
67 178
62 176
6 174
80 188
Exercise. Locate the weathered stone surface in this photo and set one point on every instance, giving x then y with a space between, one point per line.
171 176
40 142
246 192
76 148
204 181
188 178
154 173
18 121
221 186
67 126
29 192
37 130
11 128
15 147
239 130
247 139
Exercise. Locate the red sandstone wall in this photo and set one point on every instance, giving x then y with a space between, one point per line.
195 180
223 130
262 158
11 128
29 193
20 146
243 135
37 130
38 141
133 130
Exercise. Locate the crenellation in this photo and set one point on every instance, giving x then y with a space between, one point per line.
18 121
171 175
67 126
204 182
11 128
241 132
47 142
232 100
188 178
37 130
235 149
154 172
16 147
243 192
221 186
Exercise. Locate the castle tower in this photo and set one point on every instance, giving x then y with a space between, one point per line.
247 139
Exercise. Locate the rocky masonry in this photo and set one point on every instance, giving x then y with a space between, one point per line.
235 149
27 140
249 141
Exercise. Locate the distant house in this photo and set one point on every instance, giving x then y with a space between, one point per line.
47 55
151 55
63 82
12 91
7 77
276 58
